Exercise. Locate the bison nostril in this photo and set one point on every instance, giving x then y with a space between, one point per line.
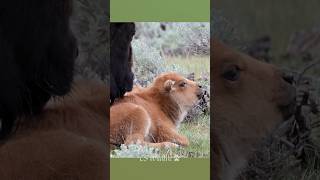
201 94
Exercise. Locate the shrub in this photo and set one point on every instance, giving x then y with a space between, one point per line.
135 151
176 39
148 63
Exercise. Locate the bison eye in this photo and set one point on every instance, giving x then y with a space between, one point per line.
182 84
232 73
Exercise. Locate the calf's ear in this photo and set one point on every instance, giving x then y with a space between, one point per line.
168 85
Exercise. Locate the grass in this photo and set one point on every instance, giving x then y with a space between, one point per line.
198 65
198 133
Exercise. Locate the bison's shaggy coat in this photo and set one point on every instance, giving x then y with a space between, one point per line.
37 53
121 59
47 130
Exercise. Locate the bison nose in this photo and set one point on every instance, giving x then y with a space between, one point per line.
289 106
289 78
200 93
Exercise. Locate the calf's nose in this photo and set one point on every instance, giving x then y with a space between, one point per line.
289 78
200 93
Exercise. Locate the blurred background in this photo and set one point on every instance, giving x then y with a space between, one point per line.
285 33
283 29
89 23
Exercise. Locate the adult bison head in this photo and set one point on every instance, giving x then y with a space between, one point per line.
121 59
37 53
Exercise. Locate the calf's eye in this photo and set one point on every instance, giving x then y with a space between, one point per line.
182 84
232 73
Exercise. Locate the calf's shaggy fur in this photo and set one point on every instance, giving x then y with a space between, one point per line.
250 99
150 116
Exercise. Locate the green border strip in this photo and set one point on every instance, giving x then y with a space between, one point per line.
160 169
160 10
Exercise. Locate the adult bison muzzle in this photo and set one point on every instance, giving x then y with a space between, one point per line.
250 99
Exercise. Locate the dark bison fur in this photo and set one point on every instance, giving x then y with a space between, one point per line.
121 59
37 53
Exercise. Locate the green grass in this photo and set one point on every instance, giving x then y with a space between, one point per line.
198 65
198 133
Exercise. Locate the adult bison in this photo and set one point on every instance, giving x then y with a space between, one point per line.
121 76
51 126
37 53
